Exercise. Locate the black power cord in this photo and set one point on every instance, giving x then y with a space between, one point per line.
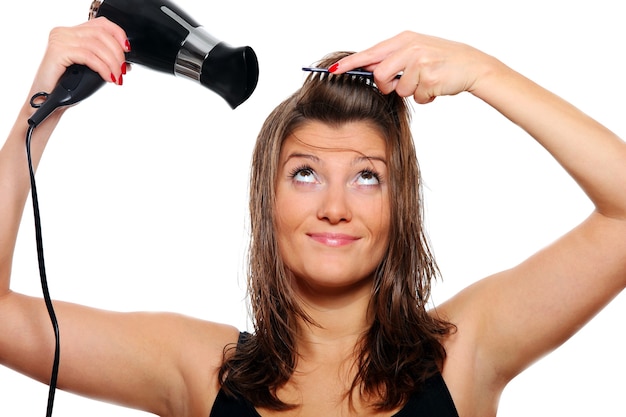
42 275
77 83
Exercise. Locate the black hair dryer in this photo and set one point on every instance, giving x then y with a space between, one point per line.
166 39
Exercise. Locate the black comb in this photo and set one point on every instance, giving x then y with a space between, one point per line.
362 73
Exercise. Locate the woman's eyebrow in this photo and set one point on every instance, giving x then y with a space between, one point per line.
295 155
357 160
315 158
366 158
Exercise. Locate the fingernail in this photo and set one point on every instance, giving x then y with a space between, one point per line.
124 68
113 78
333 67
127 45
121 80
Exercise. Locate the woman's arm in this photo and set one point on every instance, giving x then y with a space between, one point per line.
540 303
133 359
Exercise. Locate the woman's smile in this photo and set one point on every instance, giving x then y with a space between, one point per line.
333 239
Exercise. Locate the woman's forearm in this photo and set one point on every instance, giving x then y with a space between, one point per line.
15 182
593 155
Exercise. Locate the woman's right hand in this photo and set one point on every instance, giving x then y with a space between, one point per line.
98 43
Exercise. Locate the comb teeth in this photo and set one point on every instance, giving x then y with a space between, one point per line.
365 77
361 73
367 74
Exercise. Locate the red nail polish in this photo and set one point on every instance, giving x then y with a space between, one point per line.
124 68
127 45
333 67
121 80
113 78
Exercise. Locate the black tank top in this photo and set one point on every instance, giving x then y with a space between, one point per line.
433 401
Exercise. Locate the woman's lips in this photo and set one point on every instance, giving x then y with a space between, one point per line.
333 239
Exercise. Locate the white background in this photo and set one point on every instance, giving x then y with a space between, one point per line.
143 189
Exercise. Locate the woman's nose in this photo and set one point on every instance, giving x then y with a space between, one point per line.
334 205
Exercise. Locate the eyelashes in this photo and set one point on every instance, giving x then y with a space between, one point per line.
301 169
370 174
306 174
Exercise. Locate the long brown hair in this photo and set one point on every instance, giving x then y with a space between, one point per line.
403 346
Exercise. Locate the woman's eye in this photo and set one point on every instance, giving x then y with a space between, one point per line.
368 177
304 175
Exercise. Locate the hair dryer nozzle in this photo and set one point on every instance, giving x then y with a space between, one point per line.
231 72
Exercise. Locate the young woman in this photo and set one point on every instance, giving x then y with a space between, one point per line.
339 267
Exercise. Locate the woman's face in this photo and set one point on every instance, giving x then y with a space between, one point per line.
332 205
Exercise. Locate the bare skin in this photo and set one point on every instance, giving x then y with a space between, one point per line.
167 364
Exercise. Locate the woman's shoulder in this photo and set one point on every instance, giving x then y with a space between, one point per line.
203 340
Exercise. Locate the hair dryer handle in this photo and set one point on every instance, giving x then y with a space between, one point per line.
77 83
231 72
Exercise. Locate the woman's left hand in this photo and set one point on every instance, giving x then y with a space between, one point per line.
430 66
